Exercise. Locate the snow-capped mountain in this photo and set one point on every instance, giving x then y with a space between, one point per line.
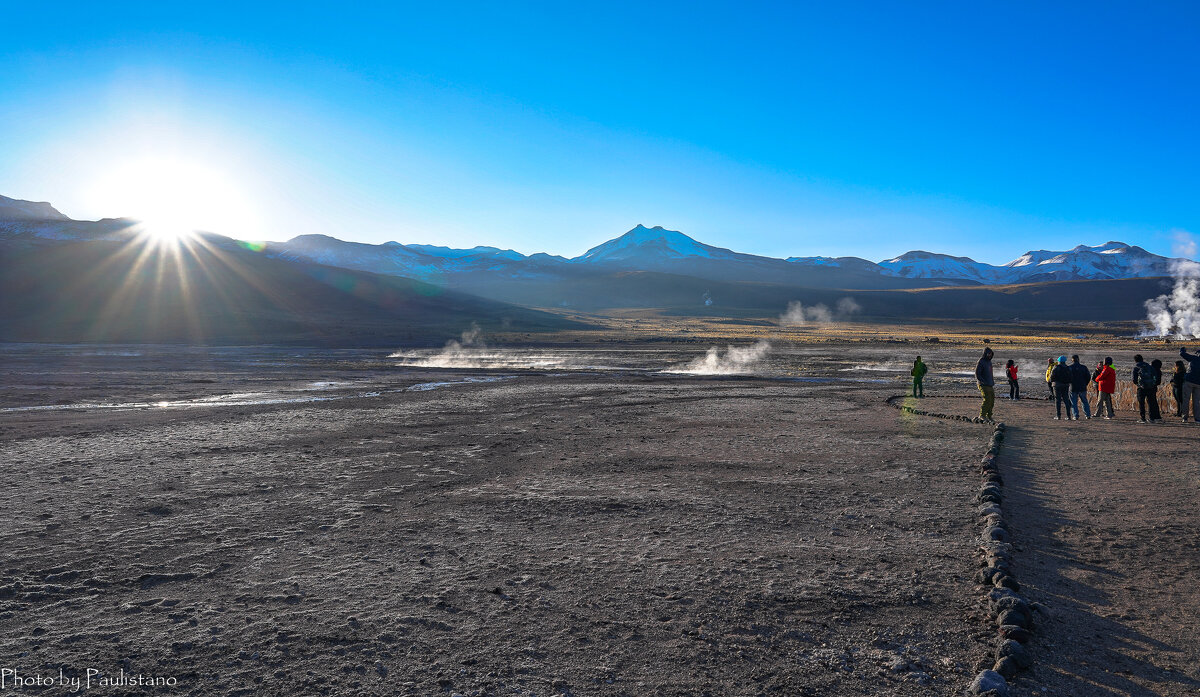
919 264
1107 261
642 243
851 263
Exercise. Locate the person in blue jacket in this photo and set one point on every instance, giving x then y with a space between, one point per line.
1060 377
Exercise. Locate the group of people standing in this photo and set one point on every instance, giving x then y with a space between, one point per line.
1068 385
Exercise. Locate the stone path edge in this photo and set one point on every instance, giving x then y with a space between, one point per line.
1011 613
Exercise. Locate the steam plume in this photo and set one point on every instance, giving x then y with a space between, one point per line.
1177 313
797 315
737 359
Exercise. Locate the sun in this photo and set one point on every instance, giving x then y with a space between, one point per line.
173 198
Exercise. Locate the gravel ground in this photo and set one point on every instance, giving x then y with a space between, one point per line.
608 534
291 522
1106 523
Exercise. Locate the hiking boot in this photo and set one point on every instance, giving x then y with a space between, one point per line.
1141 421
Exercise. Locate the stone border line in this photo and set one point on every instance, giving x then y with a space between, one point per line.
1012 614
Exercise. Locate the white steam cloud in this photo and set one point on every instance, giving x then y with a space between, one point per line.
1177 314
797 315
464 353
736 360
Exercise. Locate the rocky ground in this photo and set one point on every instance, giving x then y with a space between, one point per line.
609 533
1106 524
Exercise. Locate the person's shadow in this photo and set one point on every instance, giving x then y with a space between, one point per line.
1076 650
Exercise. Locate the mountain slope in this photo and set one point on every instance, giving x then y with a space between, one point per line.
221 293
919 264
16 209
643 245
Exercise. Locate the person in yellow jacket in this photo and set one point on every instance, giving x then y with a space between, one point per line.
1050 383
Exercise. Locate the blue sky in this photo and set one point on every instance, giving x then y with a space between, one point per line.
783 129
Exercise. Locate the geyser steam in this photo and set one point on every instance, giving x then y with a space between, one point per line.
737 360
797 315
1177 313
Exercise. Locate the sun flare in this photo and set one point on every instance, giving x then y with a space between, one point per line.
173 198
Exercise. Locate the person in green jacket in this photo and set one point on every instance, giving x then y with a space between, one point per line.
918 375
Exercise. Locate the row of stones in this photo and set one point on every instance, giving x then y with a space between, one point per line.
1012 614
895 402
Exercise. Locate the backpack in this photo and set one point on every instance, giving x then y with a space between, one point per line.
1147 379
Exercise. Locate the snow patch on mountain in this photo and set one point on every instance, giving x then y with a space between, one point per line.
641 242
452 253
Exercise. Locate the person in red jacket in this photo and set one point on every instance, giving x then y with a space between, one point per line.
1014 390
1107 382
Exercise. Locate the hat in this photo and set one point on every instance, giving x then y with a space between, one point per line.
1062 359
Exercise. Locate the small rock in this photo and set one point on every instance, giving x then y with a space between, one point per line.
989 683
1005 581
1016 616
1018 653
987 574
1006 667
1015 633
995 533
1010 602
995 520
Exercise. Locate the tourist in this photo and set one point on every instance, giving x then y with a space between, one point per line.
1146 379
1060 377
1080 377
1014 390
1156 364
1106 383
918 376
1050 363
1191 386
987 384
1177 386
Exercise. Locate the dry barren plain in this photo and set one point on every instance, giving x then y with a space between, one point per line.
584 522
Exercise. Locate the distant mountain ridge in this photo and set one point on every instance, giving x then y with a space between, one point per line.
320 288
670 251
644 249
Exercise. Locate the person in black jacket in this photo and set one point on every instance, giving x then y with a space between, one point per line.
1146 378
1080 377
1191 385
987 384
1060 377
1177 386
